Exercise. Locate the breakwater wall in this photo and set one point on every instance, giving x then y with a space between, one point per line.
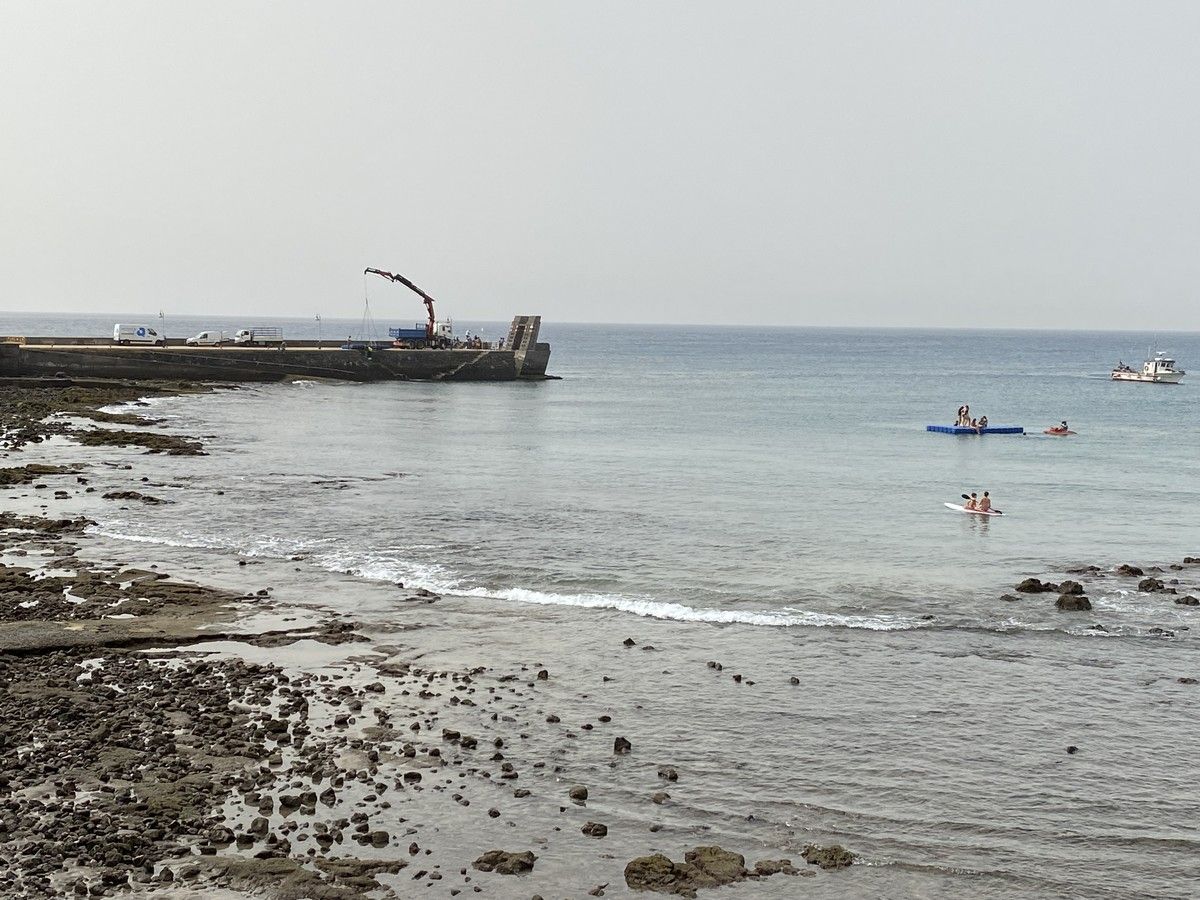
523 359
269 364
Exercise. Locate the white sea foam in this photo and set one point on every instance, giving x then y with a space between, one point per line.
133 406
438 579
679 612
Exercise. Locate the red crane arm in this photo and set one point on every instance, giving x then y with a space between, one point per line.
429 328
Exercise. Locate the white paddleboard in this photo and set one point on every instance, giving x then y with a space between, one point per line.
977 512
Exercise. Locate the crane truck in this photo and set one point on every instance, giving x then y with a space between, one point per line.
434 333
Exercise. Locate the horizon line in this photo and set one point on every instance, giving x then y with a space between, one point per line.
739 325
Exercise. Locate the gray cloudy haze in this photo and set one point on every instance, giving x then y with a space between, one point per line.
923 163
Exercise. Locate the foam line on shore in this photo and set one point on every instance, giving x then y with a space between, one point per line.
436 579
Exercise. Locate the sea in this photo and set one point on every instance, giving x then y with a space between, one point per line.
770 498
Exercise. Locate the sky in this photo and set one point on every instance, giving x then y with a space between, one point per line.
945 164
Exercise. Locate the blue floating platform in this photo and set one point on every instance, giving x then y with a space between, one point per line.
961 429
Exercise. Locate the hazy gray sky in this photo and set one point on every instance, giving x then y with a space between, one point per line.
916 163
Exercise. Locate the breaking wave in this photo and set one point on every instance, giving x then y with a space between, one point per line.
439 580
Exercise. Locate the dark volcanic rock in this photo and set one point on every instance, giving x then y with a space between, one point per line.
620 745
1131 571
1073 603
29 474
1071 587
835 856
1188 601
504 863
1150 585
595 829
703 867
767 867
578 792
154 442
133 495
1036 586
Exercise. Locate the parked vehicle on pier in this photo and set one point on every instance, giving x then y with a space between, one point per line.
208 339
418 336
259 335
409 334
135 334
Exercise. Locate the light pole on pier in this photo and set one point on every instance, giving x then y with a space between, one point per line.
162 326
318 332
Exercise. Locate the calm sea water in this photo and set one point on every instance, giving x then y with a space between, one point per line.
773 493
764 476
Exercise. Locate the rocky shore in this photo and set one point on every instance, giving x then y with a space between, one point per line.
161 737
136 762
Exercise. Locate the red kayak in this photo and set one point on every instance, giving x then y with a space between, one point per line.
1057 432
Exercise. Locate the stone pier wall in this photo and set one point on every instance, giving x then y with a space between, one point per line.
261 364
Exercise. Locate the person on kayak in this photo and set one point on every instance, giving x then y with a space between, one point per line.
985 502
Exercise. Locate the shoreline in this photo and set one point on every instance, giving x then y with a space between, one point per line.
184 760
316 717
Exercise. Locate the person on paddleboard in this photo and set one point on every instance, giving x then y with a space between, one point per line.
985 502
973 503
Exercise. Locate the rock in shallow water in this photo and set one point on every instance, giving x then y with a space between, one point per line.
835 856
1036 586
1073 603
505 863
703 867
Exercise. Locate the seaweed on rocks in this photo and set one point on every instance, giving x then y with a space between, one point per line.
702 867
32 472
134 495
31 409
154 442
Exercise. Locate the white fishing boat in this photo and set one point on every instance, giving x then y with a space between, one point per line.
1158 369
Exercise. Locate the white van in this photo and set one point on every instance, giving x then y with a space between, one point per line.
208 339
134 334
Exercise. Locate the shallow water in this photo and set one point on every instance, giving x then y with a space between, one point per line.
768 499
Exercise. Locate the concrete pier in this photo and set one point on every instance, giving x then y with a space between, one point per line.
523 359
